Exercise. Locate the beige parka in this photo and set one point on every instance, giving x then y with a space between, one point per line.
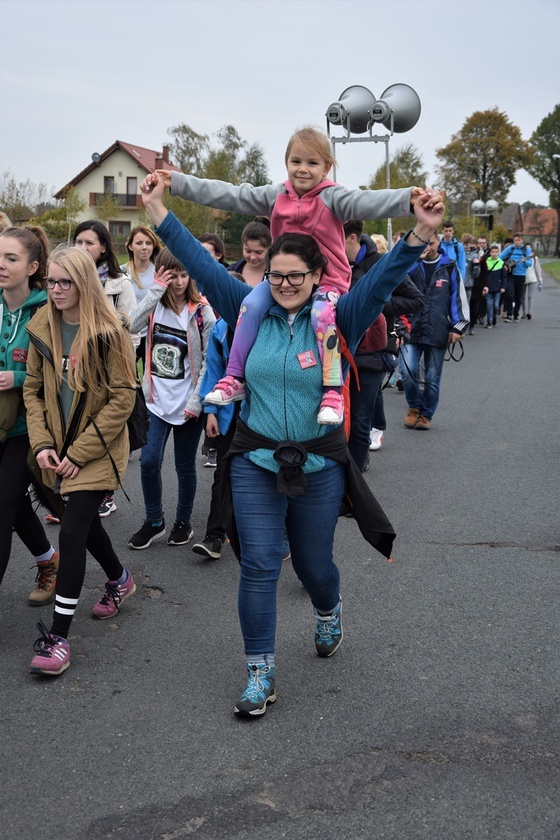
80 441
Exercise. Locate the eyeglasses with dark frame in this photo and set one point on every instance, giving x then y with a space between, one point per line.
295 278
65 284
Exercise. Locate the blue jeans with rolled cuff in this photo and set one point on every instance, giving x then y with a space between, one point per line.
262 516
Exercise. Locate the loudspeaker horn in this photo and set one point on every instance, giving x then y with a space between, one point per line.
404 102
355 102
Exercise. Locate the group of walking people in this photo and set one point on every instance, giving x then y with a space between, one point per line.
288 471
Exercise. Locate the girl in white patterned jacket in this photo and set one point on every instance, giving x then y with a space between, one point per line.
179 323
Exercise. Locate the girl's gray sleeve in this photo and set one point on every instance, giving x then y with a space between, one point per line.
367 204
242 198
141 313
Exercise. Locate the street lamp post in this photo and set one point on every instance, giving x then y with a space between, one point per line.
485 209
357 110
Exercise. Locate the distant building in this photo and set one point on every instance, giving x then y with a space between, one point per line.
540 226
119 170
511 219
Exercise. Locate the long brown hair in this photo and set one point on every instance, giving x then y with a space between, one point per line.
100 324
36 243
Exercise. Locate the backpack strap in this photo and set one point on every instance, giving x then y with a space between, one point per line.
344 351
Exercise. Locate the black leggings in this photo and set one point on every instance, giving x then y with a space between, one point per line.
16 511
80 530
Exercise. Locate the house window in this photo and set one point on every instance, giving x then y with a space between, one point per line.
131 191
119 230
109 184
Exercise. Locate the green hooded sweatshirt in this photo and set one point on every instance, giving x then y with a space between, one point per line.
14 341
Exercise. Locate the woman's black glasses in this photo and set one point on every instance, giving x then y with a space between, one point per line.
63 284
295 278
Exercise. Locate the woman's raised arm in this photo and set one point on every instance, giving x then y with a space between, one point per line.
223 291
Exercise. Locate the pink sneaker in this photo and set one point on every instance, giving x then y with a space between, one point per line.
331 411
112 598
227 390
53 654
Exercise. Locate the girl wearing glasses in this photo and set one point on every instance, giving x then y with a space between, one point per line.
286 470
307 202
92 236
23 263
79 392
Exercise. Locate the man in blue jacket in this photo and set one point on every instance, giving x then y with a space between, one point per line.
454 249
444 319
517 258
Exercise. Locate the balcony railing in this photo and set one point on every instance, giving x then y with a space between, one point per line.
122 199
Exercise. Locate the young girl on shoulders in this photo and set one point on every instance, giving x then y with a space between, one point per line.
306 203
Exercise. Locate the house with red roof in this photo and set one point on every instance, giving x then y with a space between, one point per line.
117 171
540 227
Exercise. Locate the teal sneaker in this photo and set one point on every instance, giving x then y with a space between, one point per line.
259 692
328 632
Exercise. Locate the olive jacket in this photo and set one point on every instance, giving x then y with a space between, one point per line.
96 436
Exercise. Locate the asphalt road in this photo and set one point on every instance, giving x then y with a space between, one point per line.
439 716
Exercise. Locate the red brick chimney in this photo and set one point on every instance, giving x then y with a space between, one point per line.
163 158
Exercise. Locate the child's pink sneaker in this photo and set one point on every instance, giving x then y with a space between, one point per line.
227 390
53 654
331 411
112 598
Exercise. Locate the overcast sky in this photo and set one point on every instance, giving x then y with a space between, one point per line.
76 76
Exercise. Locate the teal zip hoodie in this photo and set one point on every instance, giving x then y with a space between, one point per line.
14 341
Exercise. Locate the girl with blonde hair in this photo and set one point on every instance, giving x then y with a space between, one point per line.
79 393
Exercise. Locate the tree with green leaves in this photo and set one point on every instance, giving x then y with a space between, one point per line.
406 169
225 157
481 160
545 164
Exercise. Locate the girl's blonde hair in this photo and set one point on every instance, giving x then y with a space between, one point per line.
130 268
315 140
381 242
101 328
166 260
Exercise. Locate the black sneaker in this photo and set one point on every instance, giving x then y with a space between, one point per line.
209 547
211 458
146 535
181 533
107 506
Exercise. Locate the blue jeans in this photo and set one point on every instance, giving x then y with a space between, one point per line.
262 515
363 406
185 443
492 305
426 401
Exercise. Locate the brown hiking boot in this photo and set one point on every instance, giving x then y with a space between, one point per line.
423 423
411 418
45 580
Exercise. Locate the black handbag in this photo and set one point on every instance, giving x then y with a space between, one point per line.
138 421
